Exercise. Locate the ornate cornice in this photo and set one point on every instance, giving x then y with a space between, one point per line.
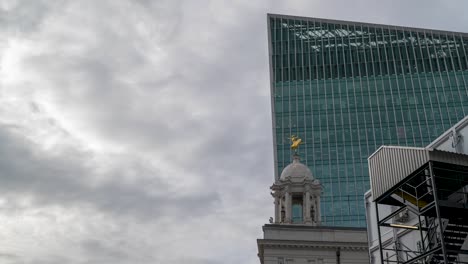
313 184
297 244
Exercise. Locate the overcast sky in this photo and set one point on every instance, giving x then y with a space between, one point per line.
140 131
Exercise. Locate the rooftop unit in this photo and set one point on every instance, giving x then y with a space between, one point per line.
431 185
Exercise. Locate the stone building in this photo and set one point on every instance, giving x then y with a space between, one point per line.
296 235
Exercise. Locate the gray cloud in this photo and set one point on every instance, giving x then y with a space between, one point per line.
8 256
64 179
23 16
140 131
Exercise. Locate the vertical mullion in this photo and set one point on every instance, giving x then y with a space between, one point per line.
449 88
295 82
358 126
288 57
464 51
387 63
303 81
364 85
367 63
433 79
352 142
345 160
326 51
335 65
318 84
280 139
412 86
373 34
441 80
361 39
392 49
461 70
382 79
310 94
466 61
273 65
449 60
418 39
454 75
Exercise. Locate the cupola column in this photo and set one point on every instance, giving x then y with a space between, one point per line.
317 209
307 206
277 208
288 205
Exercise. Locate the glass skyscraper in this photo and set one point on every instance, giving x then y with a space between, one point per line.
347 88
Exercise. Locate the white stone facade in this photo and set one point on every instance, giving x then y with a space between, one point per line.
296 236
302 244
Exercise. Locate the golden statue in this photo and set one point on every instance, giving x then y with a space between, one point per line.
295 142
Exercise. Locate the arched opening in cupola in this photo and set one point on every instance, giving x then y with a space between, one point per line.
297 208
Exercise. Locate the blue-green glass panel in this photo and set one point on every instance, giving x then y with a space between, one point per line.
348 88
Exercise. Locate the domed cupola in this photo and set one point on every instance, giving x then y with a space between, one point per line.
296 171
297 193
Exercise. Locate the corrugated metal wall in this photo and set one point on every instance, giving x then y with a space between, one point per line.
389 165
449 157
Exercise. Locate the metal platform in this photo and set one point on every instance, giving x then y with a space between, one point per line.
432 186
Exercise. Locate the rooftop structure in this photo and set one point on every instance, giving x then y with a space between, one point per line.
295 233
421 200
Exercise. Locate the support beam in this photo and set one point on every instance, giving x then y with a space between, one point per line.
379 233
438 219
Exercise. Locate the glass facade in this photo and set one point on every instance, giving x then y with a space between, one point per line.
347 88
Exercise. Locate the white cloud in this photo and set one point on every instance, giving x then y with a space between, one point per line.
140 131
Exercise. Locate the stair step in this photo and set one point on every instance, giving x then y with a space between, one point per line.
458 228
454 240
453 247
454 235
456 231
456 220
449 257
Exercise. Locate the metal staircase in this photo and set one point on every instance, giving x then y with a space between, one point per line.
437 198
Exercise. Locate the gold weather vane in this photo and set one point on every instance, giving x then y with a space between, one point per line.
296 141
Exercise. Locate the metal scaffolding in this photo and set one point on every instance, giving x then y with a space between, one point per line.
434 195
